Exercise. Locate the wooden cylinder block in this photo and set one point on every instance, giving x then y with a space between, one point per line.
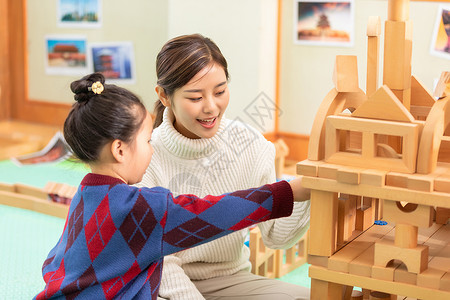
406 236
379 296
357 295
398 10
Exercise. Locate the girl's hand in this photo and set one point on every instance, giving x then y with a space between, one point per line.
300 193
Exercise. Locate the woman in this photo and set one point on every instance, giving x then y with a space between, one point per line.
199 151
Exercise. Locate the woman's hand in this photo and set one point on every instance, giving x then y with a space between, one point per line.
300 193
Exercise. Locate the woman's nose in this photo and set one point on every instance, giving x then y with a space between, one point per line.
209 105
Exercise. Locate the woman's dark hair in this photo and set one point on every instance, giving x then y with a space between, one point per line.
179 60
96 119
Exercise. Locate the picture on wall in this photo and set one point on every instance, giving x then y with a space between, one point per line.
114 60
440 45
79 13
66 55
324 22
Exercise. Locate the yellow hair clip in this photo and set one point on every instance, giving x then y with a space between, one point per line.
97 88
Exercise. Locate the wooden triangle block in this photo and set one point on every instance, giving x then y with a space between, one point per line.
384 105
420 96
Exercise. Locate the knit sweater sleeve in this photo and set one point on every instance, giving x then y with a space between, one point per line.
281 233
191 221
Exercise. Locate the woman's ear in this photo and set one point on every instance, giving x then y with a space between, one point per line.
162 96
118 150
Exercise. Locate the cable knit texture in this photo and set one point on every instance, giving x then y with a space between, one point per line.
237 157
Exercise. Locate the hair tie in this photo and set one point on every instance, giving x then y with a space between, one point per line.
96 88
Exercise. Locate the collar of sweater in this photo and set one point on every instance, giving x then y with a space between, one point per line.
182 146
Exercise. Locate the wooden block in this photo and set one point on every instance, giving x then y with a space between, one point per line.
416 260
348 175
340 260
374 26
384 105
445 282
397 54
442 215
406 236
30 191
328 171
373 64
430 278
294 257
323 216
364 218
397 179
374 295
420 96
442 89
385 273
401 274
357 295
432 135
7 187
350 215
362 265
373 177
263 259
308 168
34 203
404 96
421 183
366 159
398 10
412 214
321 261
333 103
345 75
325 290
329 105
442 183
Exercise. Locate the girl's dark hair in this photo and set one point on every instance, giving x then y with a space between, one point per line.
96 119
179 60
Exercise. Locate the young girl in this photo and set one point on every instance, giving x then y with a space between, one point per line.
116 235
198 150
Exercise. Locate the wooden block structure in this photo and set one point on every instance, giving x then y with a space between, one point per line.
389 160
275 263
281 151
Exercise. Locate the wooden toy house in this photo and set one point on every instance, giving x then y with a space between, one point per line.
383 154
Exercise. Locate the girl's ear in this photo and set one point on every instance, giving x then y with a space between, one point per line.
162 96
118 150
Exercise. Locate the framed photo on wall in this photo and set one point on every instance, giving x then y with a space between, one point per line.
324 22
114 60
440 44
66 55
79 13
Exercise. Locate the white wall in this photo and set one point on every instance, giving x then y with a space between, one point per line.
141 21
245 31
306 71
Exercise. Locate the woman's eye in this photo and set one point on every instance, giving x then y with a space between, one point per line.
195 99
221 92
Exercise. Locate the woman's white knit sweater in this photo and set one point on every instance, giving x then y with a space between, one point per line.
237 157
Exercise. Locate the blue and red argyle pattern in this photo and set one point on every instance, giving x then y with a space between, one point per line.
116 235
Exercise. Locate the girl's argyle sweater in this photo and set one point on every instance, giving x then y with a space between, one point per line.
116 235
